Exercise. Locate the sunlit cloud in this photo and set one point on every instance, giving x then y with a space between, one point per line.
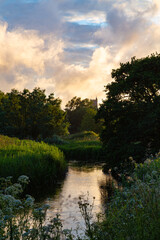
71 49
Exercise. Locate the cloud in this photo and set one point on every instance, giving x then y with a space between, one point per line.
61 45
26 54
28 61
25 48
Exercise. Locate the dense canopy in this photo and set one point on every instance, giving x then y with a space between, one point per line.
131 111
31 114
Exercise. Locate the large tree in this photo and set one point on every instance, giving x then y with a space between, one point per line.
31 114
131 111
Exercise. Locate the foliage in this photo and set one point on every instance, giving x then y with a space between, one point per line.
134 212
83 151
55 139
86 212
83 136
22 219
81 114
31 114
83 146
76 103
131 111
88 121
43 164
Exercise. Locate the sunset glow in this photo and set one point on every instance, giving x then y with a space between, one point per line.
69 47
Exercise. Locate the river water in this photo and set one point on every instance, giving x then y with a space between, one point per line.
81 182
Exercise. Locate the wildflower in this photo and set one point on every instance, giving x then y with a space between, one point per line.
24 180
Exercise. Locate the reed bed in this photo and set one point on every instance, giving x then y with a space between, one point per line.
83 146
42 163
83 150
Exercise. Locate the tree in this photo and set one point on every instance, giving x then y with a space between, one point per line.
54 118
131 111
11 112
77 111
88 122
31 114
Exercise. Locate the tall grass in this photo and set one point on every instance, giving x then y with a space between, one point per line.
82 150
83 136
43 164
83 146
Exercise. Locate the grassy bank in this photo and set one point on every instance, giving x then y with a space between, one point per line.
82 150
84 146
43 164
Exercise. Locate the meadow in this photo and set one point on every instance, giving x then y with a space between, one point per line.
42 163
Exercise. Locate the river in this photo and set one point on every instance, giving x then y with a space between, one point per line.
81 182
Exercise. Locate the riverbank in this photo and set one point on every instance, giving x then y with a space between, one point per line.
42 163
134 211
88 151
84 146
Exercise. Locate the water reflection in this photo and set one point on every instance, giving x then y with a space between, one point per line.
81 181
107 188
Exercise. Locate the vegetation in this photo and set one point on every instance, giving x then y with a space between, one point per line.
81 115
133 213
35 116
43 164
83 136
31 114
131 112
84 146
22 219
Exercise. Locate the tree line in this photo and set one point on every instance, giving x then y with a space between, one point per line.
32 114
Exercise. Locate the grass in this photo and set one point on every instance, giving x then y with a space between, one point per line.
82 150
84 146
83 136
42 163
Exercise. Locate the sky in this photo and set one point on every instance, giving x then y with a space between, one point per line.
69 47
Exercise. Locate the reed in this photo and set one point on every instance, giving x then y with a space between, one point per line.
82 150
42 163
83 146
